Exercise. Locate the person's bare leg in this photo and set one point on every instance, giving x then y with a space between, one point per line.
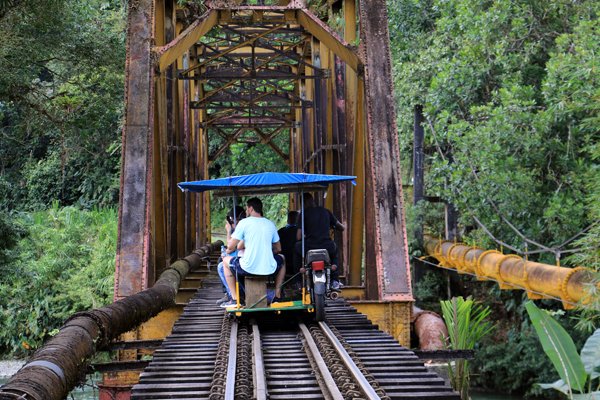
279 280
229 278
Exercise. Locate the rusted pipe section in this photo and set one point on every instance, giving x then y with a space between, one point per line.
430 329
58 366
570 285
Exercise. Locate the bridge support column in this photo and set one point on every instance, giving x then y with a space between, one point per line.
117 385
135 258
386 244
392 317
133 245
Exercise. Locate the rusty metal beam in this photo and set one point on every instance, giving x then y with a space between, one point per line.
322 32
229 141
230 49
246 98
133 244
355 162
242 74
266 138
169 53
320 111
202 199
329 93
340 193
160 179
235 121
390 249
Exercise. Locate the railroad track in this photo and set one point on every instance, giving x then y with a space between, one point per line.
211 356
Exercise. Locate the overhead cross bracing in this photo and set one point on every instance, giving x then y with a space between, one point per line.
271 75
250 69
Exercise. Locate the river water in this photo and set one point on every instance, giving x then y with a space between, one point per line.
492 396
87 392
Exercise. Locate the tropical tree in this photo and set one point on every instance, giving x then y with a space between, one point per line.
61 97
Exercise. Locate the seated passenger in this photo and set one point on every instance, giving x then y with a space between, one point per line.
287 237
317 223
258 237
230 223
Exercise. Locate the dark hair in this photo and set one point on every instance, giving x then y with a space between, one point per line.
292 217
256 204
308 200
239 214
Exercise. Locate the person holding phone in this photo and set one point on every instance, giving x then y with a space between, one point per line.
230 224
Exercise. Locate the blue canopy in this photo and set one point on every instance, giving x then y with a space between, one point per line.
266 182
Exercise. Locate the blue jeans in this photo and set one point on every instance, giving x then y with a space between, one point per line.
221 271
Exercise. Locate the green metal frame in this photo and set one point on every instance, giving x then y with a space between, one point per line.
297 306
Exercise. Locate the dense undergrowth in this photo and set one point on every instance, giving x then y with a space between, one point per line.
61 262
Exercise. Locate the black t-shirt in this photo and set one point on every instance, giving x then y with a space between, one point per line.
317 222
287 237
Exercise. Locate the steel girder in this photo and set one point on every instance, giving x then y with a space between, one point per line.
253 74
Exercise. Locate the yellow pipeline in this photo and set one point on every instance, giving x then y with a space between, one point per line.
513 272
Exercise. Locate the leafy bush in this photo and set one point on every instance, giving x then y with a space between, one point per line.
65 264
467 324
10 233
512 362
429 290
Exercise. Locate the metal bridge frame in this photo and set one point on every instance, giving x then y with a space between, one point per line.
340 119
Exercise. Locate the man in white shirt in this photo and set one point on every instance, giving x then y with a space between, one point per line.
258 237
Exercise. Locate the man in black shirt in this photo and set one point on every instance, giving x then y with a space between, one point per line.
317 223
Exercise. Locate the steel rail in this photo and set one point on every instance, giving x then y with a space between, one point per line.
231 363
334 391
365 387
260 382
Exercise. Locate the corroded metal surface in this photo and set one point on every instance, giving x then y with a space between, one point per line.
133 244
189 360
250 69
396 369
430 330
389 243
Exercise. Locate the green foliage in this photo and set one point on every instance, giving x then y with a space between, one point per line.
577 373
65 264
510 95
510 92
590 355
61 100
512 361
467 325
429 290
559 347
10 233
